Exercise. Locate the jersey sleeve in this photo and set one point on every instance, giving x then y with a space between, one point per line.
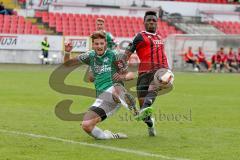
110 36
111 40
84 58
138 39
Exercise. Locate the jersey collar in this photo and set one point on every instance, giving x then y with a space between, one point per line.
150 33
102 54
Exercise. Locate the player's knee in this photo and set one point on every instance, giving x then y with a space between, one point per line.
169 85
88 125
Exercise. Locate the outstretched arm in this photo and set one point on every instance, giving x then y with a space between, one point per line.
127 54
122 69
137 42
127 76
68 61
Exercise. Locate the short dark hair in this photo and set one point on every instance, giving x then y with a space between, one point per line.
98 34
153 13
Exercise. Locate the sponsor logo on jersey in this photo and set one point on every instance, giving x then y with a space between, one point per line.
157 42
99 69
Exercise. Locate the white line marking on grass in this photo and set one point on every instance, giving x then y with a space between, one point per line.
125 150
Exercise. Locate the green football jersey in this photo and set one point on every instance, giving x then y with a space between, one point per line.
103 67
110 40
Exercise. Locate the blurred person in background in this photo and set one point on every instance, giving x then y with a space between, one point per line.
202 58
219 61
100 26
223 59
45 47
238 59
232 61
189 57
3 10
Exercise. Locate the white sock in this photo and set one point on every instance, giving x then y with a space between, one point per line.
99 134
121 97
123 102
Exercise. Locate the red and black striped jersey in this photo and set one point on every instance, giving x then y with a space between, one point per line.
231 57
238 57
150 50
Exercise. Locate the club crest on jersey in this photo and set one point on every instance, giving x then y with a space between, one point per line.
106 59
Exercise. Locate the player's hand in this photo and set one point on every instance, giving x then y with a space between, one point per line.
91 77
119 77
68 46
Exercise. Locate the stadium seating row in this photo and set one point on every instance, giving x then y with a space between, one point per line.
227 27
18 25
84 24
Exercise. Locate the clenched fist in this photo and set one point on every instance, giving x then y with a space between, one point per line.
68 46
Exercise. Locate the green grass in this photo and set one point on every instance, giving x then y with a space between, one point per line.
199 119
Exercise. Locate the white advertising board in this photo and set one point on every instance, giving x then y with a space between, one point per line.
80 44
29 42
39 4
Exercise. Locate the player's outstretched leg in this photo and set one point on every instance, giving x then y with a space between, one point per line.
131 103
146 110
121 95
89 126
162 83
150 121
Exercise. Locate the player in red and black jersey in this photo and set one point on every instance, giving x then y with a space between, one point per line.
216 61
202 58
238 59
149 46
219 60
231 61
189 57
150 50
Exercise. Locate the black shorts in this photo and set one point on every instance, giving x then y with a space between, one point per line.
143 82
190 61
99 111
45 54
104 105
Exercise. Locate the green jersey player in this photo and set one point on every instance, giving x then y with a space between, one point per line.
108 69
100 26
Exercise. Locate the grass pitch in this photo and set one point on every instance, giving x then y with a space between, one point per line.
199 119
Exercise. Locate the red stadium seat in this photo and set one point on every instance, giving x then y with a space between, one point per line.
20 31
45 19
34 31
44 13
14 24
38 14
227 27
41 32
83 24
13 30
5 30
